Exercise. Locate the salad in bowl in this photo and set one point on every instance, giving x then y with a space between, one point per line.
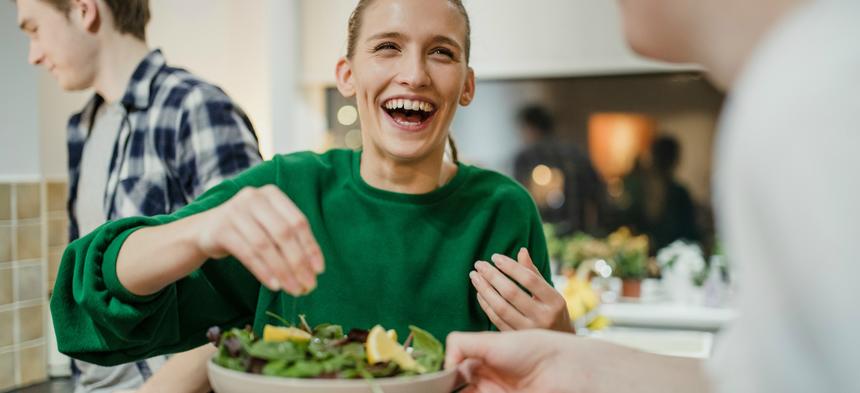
325 359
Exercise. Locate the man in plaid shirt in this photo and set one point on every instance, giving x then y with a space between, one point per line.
151 139
177 137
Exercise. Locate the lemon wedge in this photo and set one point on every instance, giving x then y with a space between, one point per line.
281 334
382 347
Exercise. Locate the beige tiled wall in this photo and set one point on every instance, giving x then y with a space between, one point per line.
31 281
28 240
57 238
5 241
58 227
5 202
8 370
31 323
28 201
24 282
7 328
6 288
33 365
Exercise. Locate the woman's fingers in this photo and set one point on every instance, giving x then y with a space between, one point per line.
508 289
298 227
497 304
289 251
263 250
494 318
502 287
264 230
525 259
237 246
525 274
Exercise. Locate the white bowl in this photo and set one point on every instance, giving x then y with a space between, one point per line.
224 380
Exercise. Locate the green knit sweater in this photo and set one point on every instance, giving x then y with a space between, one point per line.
391 259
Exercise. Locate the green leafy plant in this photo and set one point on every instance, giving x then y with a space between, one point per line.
630 264
572 250
627 254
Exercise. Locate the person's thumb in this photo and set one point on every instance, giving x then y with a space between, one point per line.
465 374
462 346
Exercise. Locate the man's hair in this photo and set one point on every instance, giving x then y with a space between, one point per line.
665 153
130 16
538 118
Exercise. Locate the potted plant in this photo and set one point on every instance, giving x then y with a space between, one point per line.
582 248
629 260
569 252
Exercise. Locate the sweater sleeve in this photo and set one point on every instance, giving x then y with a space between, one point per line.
523 228
99 321
526 229
537 244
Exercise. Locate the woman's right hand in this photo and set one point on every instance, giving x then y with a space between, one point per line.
266 232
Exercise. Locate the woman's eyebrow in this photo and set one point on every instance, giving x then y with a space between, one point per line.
447 40
391 34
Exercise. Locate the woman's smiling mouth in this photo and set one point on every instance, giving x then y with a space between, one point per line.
409 114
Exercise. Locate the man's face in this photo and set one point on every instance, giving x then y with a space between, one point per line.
660 29
59 42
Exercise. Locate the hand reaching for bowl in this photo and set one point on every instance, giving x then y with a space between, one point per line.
523 361
544 361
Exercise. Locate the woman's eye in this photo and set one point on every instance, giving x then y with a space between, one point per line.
443 51
385 46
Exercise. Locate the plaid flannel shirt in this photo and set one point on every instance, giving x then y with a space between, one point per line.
180 136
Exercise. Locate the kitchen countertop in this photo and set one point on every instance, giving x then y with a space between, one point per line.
694 344
668 316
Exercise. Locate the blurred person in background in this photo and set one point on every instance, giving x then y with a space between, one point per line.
150 140
787 208
660 206
569 194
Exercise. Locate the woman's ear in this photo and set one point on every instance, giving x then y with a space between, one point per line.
343 72
468 89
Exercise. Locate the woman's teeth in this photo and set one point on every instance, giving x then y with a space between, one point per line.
412 105
408 113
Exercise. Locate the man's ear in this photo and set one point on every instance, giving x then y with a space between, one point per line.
87 13
345 83
469 89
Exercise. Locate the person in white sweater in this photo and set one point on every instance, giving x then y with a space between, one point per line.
787 208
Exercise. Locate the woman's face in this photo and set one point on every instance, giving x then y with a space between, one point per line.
408 73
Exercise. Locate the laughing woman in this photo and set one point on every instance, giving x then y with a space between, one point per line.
388 235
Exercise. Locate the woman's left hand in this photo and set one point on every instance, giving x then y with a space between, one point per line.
511 308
